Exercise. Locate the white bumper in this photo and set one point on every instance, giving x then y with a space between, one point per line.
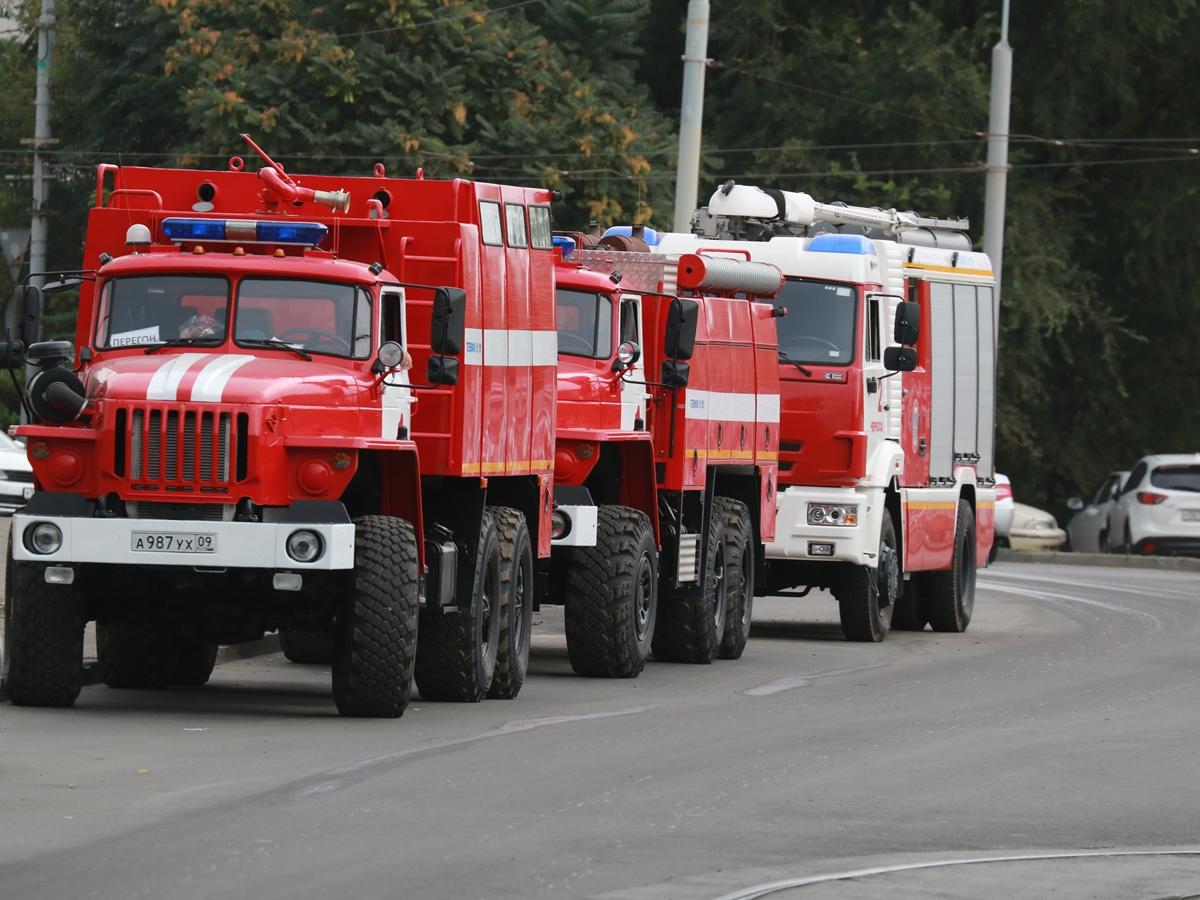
582 530
858 544
250 545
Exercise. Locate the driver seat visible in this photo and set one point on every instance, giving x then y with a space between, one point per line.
254 325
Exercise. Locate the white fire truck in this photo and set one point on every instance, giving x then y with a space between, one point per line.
887 368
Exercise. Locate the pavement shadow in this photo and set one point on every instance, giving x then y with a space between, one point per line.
245 699
809 631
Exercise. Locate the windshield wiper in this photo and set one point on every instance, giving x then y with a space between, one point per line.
277 344
182 342
787 359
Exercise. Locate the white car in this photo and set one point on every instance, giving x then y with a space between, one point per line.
1088 528
1158 509
1004 506
1034 529
16 475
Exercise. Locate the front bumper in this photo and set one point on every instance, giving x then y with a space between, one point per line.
250 545
795 538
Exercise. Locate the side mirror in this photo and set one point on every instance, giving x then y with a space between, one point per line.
682 318
908 323
442 370
12 354
675 374
448 327
1074 504
627 354
899 359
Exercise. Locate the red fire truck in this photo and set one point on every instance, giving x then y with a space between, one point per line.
668 431
234 445
887 361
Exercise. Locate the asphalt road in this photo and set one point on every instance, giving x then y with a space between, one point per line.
1053 750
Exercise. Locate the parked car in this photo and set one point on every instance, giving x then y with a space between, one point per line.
1034 529
1004 514
1088 528
1158 509
16 475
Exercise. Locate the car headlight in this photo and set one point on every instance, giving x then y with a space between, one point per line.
304 546
833 514
43 538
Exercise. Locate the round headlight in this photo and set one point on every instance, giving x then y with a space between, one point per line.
391 354
44 538
816 514
628 353
560 525
304 546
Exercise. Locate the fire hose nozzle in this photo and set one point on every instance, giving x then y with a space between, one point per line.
338 201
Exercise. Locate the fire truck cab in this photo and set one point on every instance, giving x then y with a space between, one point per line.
320 406
887 365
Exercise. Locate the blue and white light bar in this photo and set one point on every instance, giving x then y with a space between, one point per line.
310 234
856 244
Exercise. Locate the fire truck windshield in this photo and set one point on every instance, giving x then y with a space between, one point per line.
585 324
154 309
314 316
820 324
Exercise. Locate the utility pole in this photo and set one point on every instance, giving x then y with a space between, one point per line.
997 155
39 230
691 113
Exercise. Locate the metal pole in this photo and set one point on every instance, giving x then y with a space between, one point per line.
997 155
691 113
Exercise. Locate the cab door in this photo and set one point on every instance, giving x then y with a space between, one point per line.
397 398
634 395
875 402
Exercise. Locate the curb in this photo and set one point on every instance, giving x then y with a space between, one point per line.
262 647
1104 560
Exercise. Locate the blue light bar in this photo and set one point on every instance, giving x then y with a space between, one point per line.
310 234
649 235
566 244
857 244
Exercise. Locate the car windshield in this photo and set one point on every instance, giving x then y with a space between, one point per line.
152 309
7 443
315 316
819 325
584 324
1177 478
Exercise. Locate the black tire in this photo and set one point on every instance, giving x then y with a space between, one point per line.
867 597
457 656
950 595
611 596
993 552
313 648
1127 547
136 655
516 606
43 637
739 550
691 621
1102 545
375 641
193 663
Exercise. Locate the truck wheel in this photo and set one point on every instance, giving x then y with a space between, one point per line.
307 647
135 654
867 597
516 607
950 595
739 575
457 655
376 637
43 637
193 663
611 596
691 623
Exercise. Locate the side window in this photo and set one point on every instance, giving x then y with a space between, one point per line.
489 223
393 317
873 352
1104 493
1135 478
629 322
514 215
362 324
541 233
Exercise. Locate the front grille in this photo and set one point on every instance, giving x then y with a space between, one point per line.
198 512
22 477
181 448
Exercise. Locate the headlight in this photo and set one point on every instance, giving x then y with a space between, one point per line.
560 525
304 546
833 514
43 538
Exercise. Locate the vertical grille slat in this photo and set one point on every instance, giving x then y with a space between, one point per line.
171 447
189 446
206 447
223 449
135 443
181 446
154 446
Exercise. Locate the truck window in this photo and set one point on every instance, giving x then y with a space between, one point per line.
584 324
629 322
540 230
514 215
316 316
489 223
820 325
149 309
873 345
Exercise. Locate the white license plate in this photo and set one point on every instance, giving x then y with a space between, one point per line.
1191 515
175 542
27 492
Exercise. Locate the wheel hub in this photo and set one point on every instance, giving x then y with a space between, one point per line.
644 598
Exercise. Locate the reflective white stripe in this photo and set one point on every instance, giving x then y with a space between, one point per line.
165 381
721 406
210 385
510 347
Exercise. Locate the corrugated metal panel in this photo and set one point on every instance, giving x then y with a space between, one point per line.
966 371
987 381
941 431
